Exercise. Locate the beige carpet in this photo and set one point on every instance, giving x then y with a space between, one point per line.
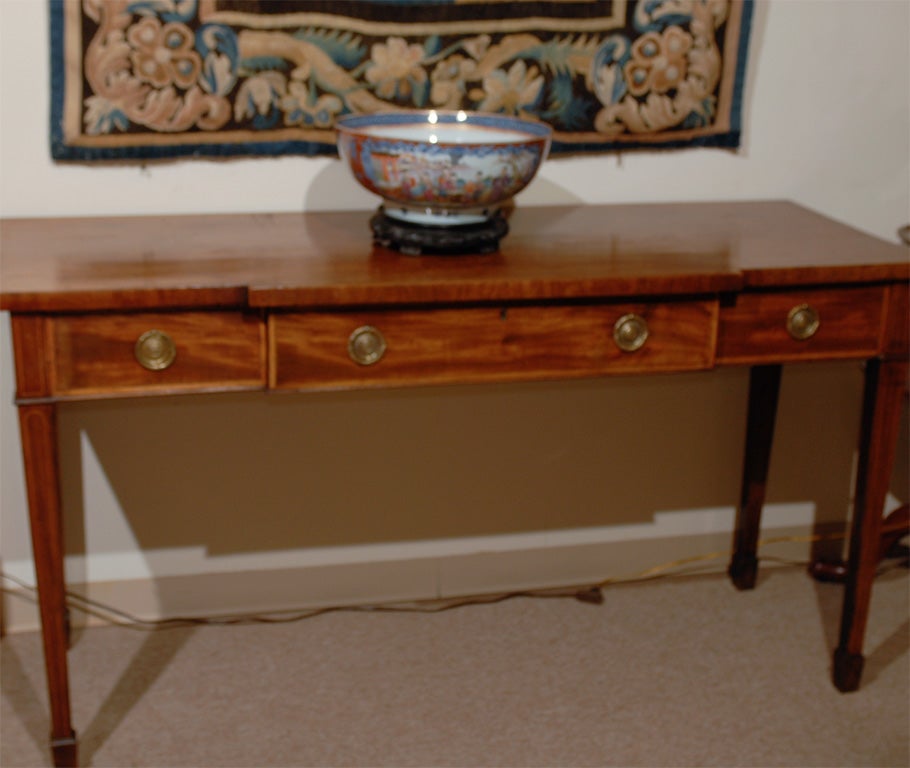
676 672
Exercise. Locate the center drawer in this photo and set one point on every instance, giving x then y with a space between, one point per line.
400 347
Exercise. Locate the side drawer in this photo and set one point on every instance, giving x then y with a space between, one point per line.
157 353
802 325
382 348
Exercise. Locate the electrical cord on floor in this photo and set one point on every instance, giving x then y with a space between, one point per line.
589 593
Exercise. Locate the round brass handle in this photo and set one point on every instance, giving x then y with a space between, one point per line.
366 345
155 350
802 322
630 332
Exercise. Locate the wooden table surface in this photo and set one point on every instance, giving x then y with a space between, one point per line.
327 258
161 305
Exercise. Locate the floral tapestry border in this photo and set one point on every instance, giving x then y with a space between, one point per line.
155 79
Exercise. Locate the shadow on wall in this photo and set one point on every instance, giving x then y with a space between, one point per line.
260 473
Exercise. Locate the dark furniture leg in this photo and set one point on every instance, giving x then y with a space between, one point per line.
764 388
38 427
884 387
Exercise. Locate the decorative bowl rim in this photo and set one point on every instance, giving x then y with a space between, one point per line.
535 130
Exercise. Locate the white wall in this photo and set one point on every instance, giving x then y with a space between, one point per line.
826 123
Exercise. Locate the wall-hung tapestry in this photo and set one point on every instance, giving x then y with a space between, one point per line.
144 79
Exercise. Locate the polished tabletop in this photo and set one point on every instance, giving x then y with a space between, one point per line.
328 258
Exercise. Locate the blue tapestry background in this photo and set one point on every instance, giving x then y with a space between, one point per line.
150 79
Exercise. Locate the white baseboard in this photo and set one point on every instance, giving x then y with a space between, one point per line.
157 585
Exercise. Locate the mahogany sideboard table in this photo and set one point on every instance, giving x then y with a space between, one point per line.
162 305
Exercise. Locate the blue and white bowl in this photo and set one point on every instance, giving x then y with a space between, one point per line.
442 168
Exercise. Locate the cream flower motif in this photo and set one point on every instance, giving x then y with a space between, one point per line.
396 68
477 46
514 91
163 55
658 62
448 80
259 94
299 111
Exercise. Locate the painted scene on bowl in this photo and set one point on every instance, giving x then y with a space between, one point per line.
439 176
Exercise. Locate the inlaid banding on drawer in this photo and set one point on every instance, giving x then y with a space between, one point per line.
802 325
311 349
157 353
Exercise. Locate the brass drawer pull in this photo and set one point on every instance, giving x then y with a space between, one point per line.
802 322
366 345
155 350
630 332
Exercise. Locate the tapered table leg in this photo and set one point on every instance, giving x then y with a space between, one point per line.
764 388
885 384
38 427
